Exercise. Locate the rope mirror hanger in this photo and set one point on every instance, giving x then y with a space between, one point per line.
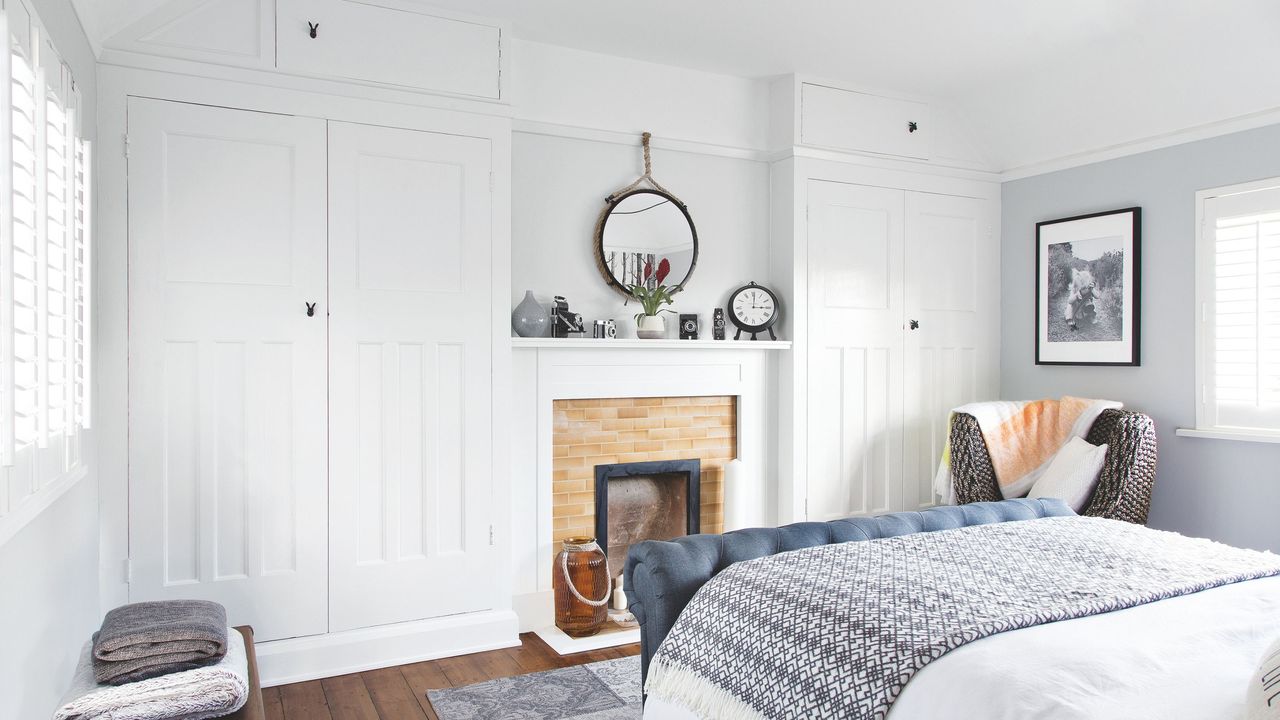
608 261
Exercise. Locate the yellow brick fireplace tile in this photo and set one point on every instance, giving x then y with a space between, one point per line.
677 445
559 450
601 413
602 436
632 435
568 509
647 423
562 487
619 402
708 443
633 412
678 422
566 463
719 432
619 424
584 450
640 457
568 438
601 460
650 446
693 432
664 434
648 402
713 421
677 401
618 448
583 498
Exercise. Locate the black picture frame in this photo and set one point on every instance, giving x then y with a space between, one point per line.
1077 229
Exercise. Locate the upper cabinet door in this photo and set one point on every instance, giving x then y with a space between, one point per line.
953 295
410 375
391 41
855 349
227 386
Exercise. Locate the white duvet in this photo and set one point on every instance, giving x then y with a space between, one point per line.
1185 658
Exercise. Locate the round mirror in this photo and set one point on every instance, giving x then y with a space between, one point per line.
642 228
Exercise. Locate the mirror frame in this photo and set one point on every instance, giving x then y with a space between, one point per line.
611 203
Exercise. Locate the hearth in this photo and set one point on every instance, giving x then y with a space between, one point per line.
656 500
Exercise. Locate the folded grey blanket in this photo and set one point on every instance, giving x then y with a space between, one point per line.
149 639
836 631
207 692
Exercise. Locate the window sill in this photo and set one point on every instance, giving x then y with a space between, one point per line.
1242 435
31 508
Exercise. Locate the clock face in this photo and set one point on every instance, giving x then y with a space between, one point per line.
754 307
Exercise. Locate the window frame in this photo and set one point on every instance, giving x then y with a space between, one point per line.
1207 425
34 475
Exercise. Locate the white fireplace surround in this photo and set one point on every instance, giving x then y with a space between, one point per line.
544 372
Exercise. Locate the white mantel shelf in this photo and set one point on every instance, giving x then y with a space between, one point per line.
634 343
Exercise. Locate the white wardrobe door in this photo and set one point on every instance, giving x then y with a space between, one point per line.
410 375
227 385
953 293
855 349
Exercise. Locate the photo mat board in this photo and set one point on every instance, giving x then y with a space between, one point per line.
1088 289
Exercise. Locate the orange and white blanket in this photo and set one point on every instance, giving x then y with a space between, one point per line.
1022 437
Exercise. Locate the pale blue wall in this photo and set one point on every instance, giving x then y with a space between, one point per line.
1226 490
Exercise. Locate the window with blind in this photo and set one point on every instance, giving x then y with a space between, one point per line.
44 274
1238 290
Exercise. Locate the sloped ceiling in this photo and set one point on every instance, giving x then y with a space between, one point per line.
1037 81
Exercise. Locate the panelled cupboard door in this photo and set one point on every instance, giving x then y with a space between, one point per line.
227 496
952 292
855 350
410 366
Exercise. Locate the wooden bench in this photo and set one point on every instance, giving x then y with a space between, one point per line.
252 709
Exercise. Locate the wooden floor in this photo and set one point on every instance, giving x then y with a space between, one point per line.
400 693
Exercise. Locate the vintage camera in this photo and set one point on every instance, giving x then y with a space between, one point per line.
604 330
717 324
688 327
563 321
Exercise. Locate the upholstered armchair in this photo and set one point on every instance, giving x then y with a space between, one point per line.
1124 486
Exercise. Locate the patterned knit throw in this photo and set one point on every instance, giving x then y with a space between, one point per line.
836 631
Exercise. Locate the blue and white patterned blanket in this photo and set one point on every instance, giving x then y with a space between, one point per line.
836 631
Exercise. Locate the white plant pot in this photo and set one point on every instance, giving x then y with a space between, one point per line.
651 327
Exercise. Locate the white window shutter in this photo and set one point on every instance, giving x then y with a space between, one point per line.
1241 325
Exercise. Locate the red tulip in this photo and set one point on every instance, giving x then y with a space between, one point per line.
648 270
664 268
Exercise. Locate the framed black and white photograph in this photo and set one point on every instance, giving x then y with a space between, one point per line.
1087 289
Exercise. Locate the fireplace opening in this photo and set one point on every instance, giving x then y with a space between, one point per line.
637 501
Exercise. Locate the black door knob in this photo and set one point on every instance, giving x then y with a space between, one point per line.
311 309
314 27
914 324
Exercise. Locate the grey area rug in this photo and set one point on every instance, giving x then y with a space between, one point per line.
607 690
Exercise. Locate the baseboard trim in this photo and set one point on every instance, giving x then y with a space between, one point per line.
281 662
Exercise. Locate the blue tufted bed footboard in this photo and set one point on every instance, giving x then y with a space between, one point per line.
662 577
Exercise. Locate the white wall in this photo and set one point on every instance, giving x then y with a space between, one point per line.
597 107
558 189
579 89
49 570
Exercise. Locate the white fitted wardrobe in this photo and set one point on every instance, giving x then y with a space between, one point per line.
310 367
886 241
903 316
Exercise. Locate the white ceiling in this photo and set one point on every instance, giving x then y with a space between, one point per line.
1037 79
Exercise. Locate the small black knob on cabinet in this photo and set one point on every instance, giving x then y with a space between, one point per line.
914 324
311 309
912 125
314 27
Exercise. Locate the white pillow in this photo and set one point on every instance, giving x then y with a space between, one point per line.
1072 473
1264 691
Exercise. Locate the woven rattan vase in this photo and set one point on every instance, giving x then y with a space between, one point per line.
586 567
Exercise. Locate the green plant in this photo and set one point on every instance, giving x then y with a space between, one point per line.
653 298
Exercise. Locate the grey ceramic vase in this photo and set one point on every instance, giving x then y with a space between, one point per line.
530 319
